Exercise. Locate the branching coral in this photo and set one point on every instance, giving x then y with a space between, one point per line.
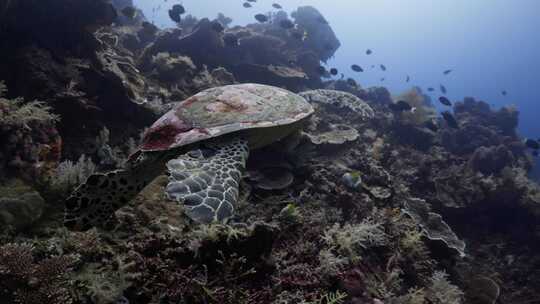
68 174
30 141
23 280
349 239
443 291
17 113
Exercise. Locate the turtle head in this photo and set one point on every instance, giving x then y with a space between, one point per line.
90 204
78 216
94 202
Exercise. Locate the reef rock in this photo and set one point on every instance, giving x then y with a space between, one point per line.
491 160
20 205
320 36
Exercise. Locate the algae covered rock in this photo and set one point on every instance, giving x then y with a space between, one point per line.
20 205
320 36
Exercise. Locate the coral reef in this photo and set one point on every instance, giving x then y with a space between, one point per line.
365 206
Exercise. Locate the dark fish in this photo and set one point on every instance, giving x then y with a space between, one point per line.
230 40
443 89
535 153
129 11
373 66
383 67
341 76
251 0
351 82
261 18
400 106
368 52
276 6
407 79
333 71
321 70
382 79
445 101
216 26
430 89
504 92
430 124
532 144
246 5
286 24
356 68
450 120
175 12
447 72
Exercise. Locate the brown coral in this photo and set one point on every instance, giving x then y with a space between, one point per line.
25 280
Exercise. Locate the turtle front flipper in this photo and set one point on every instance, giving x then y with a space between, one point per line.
207 184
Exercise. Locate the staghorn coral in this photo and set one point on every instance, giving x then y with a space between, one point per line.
349 239
69 174
442 291
29 136
25 280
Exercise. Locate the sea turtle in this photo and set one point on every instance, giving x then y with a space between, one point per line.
203 142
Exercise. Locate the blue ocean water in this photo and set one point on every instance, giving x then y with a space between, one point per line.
490 45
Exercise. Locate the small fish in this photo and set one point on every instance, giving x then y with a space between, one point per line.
261 18
334 71
504 93
443 89
246 5
356 68
535 153
230 40
368 52
286 24
351 82
321 70
443 100
382 79
383 67
450 120
400 106
407 79
430 124
277 6
430 89
532 144
372 66
175 12
341 76
447 72
251 0
129 11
